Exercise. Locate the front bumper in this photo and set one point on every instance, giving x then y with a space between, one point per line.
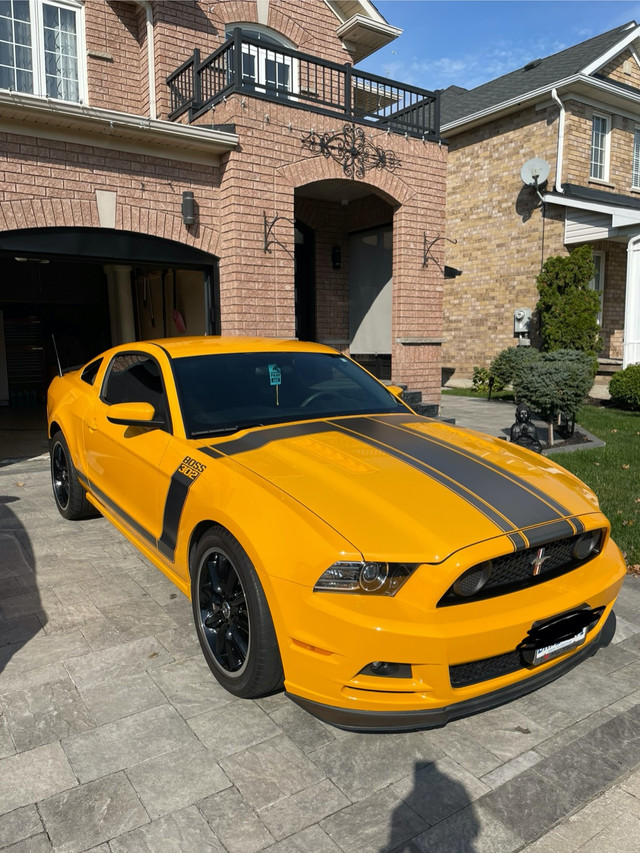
406 721
329 641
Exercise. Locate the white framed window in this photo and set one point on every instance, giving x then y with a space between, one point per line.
597 282
42 48
635 169
264 67
600 128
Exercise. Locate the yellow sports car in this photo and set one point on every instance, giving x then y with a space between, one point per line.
392 571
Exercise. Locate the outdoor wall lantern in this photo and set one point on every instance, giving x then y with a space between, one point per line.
188 208
336 257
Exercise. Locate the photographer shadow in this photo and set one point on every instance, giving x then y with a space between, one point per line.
445 808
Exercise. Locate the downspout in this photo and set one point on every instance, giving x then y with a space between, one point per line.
554 95
151 60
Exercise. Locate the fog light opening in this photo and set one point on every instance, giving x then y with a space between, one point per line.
472 581
387 669
586 545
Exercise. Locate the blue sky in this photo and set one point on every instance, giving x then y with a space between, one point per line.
467 42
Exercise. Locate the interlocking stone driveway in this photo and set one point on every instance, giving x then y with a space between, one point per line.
115 737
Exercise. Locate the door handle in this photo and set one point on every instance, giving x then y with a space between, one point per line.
91 423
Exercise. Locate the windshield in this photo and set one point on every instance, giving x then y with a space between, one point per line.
223 393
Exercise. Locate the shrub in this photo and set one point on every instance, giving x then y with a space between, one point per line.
573 356
553 384
480 380
510 362
568 308
624 388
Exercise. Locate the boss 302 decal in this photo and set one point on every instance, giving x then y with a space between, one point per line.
187 473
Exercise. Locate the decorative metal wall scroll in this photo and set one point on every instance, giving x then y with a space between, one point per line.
426 250
270 238
355 153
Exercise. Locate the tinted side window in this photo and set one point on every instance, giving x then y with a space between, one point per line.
90 372
135 378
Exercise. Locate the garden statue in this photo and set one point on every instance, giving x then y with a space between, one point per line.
523 432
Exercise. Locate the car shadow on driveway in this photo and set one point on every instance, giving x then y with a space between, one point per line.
17 584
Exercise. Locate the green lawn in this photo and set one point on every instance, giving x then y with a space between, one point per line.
613 472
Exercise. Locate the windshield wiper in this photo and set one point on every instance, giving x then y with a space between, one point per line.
225 430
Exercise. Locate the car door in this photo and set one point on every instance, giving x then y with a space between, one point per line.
123 462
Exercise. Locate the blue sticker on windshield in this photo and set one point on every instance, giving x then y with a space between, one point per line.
275 375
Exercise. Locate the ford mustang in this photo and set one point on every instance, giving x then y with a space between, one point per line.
391 571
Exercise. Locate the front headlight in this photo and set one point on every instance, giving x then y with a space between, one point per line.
372 578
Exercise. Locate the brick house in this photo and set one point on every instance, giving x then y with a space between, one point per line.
214 167
579 111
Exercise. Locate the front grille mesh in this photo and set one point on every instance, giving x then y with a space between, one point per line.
463 674
514 571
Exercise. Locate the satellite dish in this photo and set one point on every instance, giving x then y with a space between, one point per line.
535 172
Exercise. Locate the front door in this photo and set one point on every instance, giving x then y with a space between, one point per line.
305 282
122 462
370 283
632 306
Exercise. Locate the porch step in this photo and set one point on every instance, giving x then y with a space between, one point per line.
608 366
414 399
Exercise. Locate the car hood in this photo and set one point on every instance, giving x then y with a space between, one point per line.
408 488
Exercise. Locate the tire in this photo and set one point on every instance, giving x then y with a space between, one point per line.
232 617
69 495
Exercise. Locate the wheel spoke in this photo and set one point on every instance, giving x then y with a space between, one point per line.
238 640
213 569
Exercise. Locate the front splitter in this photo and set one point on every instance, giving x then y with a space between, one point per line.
407 721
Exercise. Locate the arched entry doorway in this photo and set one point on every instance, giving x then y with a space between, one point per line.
350 227
92 288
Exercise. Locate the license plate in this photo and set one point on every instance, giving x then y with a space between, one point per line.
549 652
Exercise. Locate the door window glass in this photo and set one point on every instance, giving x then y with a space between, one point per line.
135 378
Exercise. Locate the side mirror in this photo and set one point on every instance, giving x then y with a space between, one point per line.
396 390
134 414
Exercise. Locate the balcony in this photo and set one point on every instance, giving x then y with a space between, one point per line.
303 82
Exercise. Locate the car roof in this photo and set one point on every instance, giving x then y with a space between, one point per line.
214 344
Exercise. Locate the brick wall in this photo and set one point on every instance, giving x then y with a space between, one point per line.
501 234
258 291
118 78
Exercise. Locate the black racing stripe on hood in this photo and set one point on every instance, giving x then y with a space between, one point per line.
560 509
507 494
258 438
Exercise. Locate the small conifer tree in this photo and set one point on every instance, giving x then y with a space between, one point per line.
568 308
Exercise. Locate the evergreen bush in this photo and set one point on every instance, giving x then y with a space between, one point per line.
510 362
557 382
568 308
624 388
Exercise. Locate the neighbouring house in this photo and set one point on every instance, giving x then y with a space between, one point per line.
214 167
578 111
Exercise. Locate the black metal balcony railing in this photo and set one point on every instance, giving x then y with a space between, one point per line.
306 82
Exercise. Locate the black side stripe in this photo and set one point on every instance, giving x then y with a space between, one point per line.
131 522
510 499
176 498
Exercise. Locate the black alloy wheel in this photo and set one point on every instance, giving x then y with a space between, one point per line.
223 613
232 617
69 495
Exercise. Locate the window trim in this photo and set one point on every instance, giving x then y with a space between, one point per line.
36 20
607 146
